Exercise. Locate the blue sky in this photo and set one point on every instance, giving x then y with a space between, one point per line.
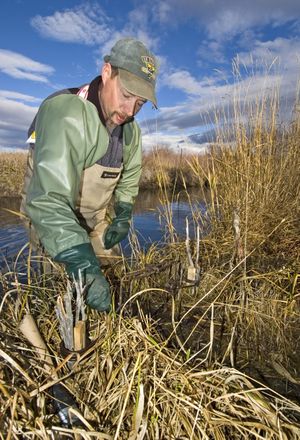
46 46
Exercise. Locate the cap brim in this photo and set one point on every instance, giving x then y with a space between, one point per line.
137 86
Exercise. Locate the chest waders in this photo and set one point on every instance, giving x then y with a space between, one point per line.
33 238
94 207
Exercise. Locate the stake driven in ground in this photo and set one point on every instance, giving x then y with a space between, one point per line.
72 327
193 268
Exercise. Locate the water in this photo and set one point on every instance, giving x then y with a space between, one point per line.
13 235
149 222
150 218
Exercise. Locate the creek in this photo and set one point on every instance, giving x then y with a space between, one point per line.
149 221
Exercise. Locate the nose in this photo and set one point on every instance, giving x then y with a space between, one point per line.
130 107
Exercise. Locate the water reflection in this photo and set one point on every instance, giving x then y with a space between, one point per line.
150 220
153 215
13 235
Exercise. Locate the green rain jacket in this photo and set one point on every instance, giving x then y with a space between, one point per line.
70 137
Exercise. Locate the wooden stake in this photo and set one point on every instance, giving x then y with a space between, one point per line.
79 335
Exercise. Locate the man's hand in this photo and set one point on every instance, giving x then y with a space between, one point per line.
119 227
83 258
98 294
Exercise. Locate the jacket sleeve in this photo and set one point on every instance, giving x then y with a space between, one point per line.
62 146
128 185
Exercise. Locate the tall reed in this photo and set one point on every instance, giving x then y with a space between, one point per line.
12 172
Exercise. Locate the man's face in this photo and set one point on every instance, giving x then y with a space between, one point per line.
118 105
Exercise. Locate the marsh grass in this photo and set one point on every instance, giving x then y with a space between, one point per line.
159 161
250 254
254 171
12 172
163 366
176 360
129 384
163 163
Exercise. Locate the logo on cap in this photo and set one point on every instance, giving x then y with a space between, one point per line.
149 67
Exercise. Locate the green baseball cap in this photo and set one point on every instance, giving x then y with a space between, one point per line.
137 67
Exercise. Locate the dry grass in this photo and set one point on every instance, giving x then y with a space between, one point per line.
130 385
163 163
257 180
12 172
171 363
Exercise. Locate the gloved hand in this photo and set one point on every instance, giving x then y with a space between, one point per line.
83 258
119 227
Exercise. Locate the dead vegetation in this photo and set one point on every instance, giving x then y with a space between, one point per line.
12 172
171 166
214 359
129 384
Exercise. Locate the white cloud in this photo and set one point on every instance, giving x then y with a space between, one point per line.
209 50
239 21
88 24
163 11
139 25
16 114
84 24
16 96
282 52
177 142
183 81
187 83
227 19
15 118
21 67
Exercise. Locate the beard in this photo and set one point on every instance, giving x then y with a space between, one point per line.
117 118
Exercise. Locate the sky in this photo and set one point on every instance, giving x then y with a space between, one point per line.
210 52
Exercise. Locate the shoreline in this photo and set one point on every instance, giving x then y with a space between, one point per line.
162 168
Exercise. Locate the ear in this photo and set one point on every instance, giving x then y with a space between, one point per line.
106 72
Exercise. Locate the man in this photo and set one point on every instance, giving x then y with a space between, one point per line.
86 148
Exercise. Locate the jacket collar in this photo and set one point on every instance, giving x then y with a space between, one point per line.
93 96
